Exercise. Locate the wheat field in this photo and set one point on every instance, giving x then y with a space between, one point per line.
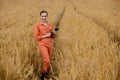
87 46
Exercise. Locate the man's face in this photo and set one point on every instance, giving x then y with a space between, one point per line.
44 16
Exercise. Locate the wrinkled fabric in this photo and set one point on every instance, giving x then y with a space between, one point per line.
45 45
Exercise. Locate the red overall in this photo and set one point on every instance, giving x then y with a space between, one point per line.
45 45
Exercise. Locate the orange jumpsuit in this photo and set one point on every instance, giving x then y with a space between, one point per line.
45 45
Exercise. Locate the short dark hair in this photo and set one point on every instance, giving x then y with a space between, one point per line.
43 11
